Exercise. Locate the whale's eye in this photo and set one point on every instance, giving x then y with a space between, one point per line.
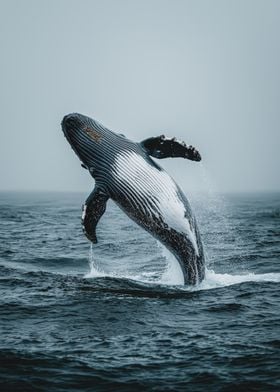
94 135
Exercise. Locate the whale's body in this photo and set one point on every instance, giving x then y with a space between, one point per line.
124 171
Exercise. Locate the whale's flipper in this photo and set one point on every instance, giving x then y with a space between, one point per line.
161 147
93 209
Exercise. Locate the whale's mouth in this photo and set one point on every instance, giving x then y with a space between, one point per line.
71 125
69 129
81 136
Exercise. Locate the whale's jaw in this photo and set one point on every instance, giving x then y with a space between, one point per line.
89 140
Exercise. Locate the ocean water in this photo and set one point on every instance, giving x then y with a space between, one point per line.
115 317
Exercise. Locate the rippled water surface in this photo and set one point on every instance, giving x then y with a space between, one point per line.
115 318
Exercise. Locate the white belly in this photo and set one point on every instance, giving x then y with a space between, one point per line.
145 182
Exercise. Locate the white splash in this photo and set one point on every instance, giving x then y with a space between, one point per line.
173 274
94 272
214 280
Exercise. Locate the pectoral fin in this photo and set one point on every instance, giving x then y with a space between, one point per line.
93 209
161 147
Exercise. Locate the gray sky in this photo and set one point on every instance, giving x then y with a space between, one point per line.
206 72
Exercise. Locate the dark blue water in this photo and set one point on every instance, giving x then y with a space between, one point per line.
115 319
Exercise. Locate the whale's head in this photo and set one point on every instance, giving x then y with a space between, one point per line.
85 137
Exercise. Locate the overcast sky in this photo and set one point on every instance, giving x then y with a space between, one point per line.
206 72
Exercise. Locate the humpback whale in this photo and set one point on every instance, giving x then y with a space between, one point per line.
125 172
